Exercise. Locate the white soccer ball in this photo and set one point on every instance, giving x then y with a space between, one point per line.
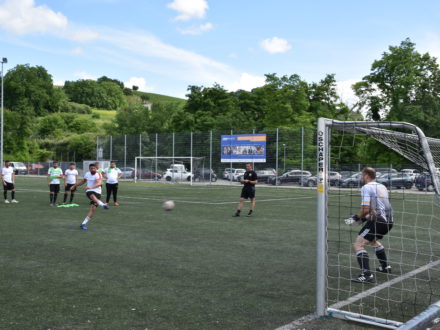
168 205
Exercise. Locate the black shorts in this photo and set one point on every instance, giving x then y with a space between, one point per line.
68 186
248 192
9 186
54 188
90 193
374 230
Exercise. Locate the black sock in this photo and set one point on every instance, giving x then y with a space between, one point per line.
71 197
65 198
5 193
382 256
238 212
13 194
51 198
55 198
250 212
364 263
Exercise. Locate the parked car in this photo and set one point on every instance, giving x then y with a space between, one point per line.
226 172
395 180
234 175
127 172
384 170
204 174
353 181
424 182
263 175
411 172
292 176
177 172
19 167
312 181
146 174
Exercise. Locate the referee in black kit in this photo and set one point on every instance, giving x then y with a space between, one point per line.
249 180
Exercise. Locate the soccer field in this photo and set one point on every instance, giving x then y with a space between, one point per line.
139 267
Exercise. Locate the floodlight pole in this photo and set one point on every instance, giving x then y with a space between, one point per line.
284 160
4 61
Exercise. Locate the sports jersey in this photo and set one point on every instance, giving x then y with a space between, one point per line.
71 176
112 174
249 175
92 180
375 195
7 173
54 173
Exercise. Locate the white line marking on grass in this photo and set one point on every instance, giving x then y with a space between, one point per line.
310 317
192 202
384 285
298 322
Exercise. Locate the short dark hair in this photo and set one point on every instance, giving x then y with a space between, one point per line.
72 164
7 161
113 161
371 172
92 164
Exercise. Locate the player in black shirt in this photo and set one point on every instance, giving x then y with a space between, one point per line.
249 180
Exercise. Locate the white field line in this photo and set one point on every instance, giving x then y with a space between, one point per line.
384 285
193 202
310 317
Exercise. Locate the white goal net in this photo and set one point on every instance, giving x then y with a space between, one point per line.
172 170
412 245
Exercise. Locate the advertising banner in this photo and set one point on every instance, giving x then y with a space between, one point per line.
243 148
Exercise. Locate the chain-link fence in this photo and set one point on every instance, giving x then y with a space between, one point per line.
286 149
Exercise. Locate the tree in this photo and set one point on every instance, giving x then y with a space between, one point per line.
31 88
132 119
403 85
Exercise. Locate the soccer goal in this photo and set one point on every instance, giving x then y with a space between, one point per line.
413 244
171 169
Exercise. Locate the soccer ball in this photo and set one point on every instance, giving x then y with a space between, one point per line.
168 205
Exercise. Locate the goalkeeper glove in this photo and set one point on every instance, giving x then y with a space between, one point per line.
353 220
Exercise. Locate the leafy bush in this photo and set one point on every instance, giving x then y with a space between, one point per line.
77 108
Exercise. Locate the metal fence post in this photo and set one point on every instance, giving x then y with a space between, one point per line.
111 147
125 153
155 160
231 174
276 158
97 147
302 154
174 137
210 158
191 163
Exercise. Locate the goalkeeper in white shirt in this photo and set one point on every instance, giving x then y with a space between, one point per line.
376 215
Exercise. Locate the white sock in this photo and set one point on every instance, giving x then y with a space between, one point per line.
100 203
87 219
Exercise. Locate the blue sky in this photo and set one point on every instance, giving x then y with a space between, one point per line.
165 45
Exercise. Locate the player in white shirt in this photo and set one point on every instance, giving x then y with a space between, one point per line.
377 216
54 176
8 181
70 178
112 174
93 192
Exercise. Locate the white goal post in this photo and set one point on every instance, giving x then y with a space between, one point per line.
417 258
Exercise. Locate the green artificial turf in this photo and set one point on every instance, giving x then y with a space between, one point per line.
140 267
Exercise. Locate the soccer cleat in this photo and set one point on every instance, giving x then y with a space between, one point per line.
381 269
83 227
51 204
362 278
105 206
106 203
14 201
6 201
249 214
236 214
116 204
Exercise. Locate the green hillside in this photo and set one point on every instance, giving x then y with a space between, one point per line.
153 97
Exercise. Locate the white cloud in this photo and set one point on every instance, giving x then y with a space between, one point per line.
77 51
431 44
139 82
345 91
275 45
196 30
58 82
189 9
23 16
84 76
81 34
246 82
